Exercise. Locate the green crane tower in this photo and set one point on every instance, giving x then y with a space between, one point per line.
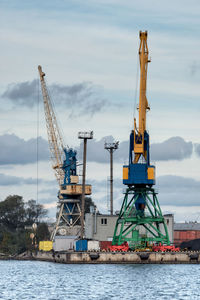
140 222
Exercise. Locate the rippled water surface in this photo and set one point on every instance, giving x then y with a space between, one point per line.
44 280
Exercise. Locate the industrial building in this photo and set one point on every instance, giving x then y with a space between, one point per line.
184 232
101 227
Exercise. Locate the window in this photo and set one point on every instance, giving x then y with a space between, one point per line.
103 221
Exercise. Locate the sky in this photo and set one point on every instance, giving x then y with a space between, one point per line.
89 52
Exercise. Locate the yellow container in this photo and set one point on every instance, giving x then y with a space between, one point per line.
125 173
151 173
45 245
41 245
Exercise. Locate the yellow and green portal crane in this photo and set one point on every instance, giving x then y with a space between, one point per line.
140 221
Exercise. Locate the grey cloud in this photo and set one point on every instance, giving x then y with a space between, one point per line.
175 148
7 180
24 93
194 68
79 98
52 190
178 190
197 149
97 153
172 183
172 191
15 150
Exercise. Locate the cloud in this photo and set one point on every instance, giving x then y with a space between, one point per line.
178 190
24 93
197 149
79 98
175 148
7 180
15 150
97 153
194 68
172 190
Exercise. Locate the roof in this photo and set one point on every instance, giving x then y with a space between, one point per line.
187 226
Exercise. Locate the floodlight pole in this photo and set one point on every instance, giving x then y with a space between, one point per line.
85 136
111 147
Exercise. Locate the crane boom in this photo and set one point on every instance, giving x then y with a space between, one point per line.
140 211
139 133
64 163
54 135
143 103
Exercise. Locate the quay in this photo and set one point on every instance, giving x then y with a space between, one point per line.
114 257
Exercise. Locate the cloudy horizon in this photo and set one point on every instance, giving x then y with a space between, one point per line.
89 52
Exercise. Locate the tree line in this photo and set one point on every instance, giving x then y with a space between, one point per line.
16 219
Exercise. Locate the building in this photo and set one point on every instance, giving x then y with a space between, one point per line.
101 227
184 232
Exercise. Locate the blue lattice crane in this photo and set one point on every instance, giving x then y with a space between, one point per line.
64 163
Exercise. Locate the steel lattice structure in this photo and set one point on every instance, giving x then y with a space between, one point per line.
140 221
64 163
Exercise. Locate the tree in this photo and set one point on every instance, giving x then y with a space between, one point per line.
42 232
14 215
12 212
33 212
88 203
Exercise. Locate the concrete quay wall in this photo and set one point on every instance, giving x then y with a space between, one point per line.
119 257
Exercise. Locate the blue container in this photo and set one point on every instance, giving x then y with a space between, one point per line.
81 245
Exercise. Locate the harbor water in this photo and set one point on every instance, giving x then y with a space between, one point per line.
50 281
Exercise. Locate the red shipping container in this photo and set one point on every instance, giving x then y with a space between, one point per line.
176 235
191 235
183 235
186 235
104 245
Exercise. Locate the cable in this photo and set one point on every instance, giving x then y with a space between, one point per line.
37 142
136 89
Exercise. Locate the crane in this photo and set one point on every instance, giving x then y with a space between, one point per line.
140 221
64 164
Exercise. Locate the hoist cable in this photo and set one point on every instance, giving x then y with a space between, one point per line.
136 89
37 141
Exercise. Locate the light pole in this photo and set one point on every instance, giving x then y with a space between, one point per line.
85 136
111 147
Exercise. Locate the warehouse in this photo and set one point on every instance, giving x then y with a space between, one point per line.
184 232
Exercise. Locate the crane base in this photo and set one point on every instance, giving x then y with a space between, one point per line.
140 222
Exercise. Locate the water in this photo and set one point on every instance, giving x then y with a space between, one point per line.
49 281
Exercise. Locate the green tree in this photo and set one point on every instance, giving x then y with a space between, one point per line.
14 215
42 232
88 203
12 212
33 212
